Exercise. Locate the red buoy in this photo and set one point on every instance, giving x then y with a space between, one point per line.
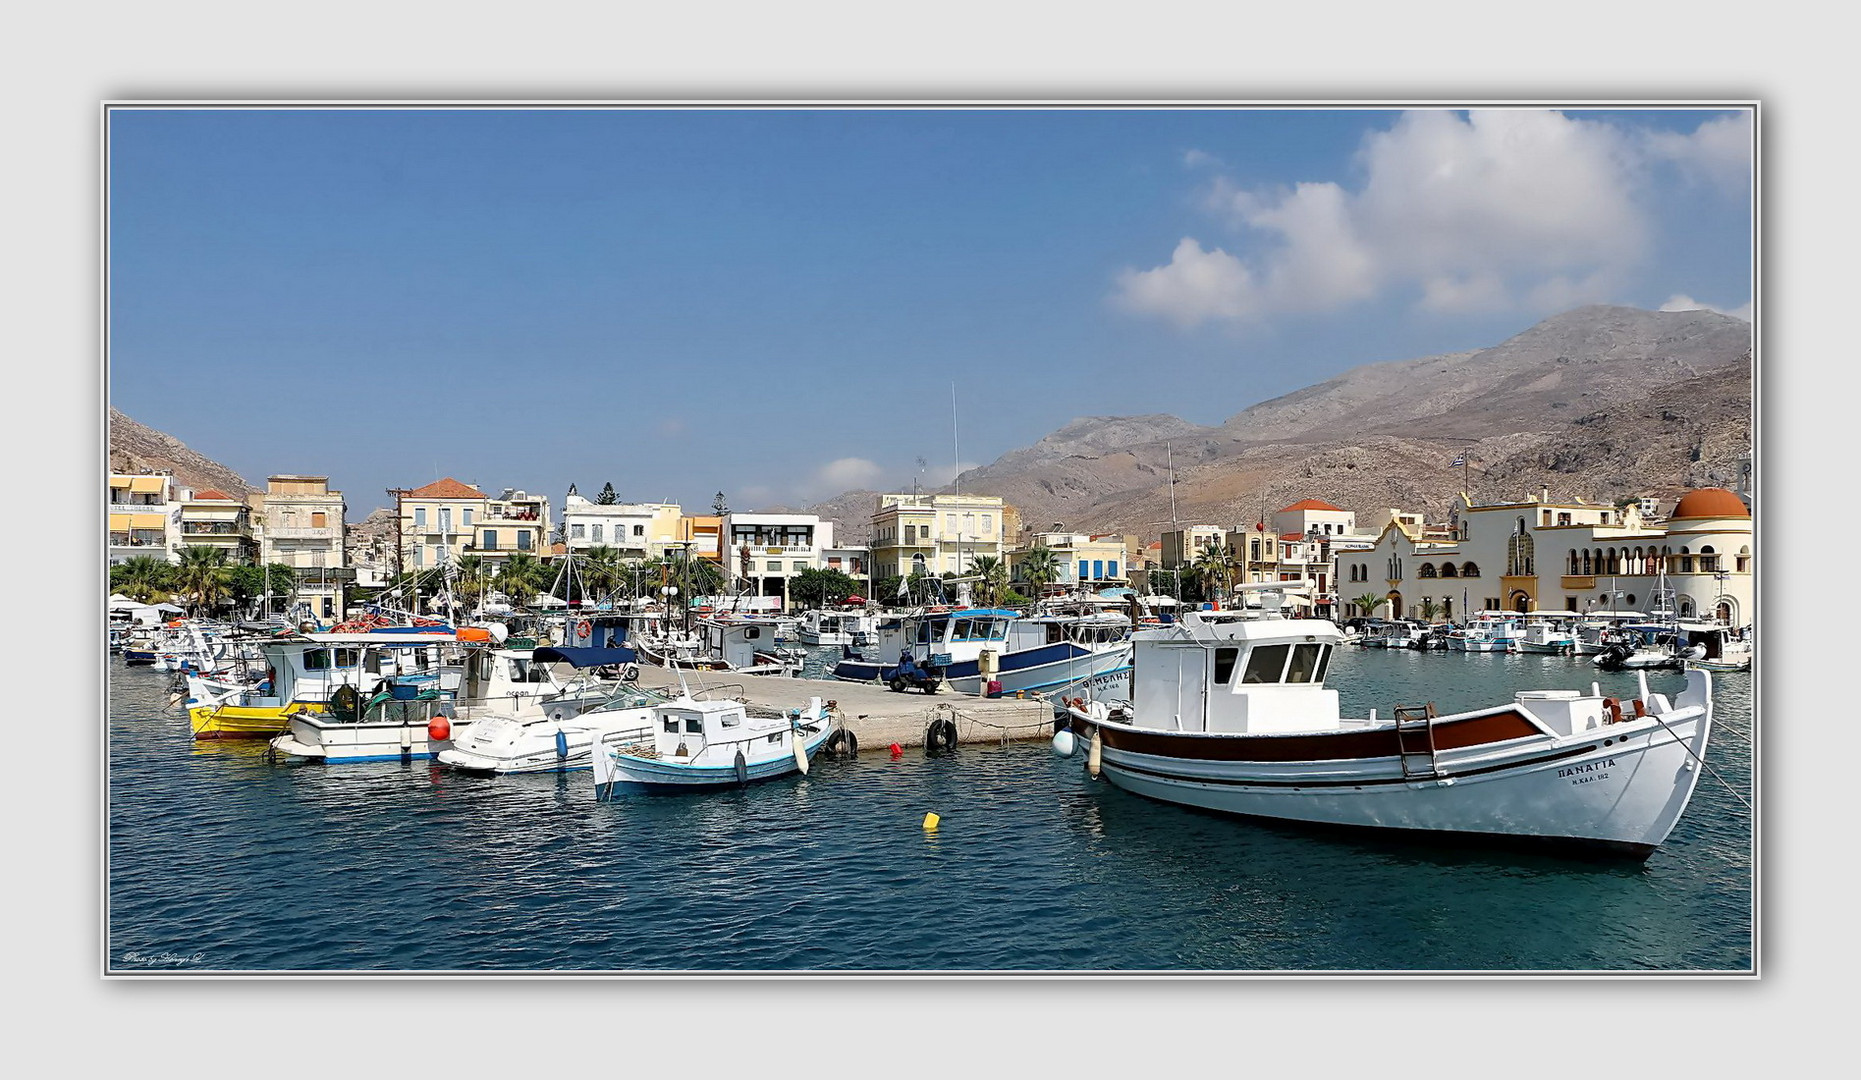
439 729
897 750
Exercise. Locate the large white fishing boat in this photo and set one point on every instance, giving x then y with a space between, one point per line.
1487 631
824 627
1230 712
557 741
980 651
1548 632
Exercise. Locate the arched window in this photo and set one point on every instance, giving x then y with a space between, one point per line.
1520 531
1448 570
1587 571
1469 569
1615 560
1743 561
1426 571
1573 563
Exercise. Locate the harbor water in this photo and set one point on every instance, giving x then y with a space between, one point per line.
220 860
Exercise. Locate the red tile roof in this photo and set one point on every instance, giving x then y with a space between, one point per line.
213 493
1292 536
1309 504
446 489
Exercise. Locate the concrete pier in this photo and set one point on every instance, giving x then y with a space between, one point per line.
873 713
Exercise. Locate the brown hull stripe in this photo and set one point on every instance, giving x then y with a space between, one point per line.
1356 782
1330 746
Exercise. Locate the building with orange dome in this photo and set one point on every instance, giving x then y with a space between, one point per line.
1540 555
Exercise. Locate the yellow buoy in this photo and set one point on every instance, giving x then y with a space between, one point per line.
931 820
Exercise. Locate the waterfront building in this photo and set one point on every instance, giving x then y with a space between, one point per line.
1528 554
853 560
1182 547
143 517
935 534
300 524
447 519
767 550
1087 563
215 519
635 530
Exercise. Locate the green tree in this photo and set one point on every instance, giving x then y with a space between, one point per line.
1430 608
601 570
202 575
820 587
521 577
143 578
607 496
702 578
1212 567
1038 567
1369 602
885 589
471 579
247 586
994 575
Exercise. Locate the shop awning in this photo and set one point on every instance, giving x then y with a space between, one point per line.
148 521
119 522
146 485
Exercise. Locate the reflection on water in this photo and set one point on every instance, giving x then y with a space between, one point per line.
216 850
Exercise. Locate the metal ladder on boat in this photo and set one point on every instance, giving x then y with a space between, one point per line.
1415 741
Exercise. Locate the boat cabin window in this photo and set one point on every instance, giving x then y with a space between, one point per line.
753 633
732 719
1307 663
998 630
1265 664
960 632
671 724
694 725
924 632
1053 633
1224 665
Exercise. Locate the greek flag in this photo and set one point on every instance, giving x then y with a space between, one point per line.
1459 460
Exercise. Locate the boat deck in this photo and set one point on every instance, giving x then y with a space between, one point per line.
876 715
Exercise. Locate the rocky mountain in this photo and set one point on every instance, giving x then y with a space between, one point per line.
1600 403
136 448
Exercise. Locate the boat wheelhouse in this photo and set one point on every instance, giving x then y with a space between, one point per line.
1230 712
697 745
1547 632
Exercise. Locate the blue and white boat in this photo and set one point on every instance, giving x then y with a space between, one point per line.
972 648
696 745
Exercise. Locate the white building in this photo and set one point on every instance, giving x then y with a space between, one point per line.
764 551
635 530
1536 554
143 517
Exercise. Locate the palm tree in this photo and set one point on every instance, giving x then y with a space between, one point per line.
521 577
203 575
473 578
601 570
142 577
1039 567
1430 608
1212 567
994 577
1368 602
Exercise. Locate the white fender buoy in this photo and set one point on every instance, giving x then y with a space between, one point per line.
1095 754
1063 743
801 755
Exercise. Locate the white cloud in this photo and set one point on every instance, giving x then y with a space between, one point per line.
1487 211
1683 302
1193 158
848 473
1718 152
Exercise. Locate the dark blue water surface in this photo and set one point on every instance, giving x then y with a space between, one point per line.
220 860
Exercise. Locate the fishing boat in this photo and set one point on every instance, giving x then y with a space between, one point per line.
982 651
823 627
302 674
1591 633
1487 631
556 741
1715 646
699 745
1547 632
1638 647
419 713
1230 712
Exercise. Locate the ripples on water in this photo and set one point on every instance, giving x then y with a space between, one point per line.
221 860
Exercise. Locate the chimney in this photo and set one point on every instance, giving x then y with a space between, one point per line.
1544 495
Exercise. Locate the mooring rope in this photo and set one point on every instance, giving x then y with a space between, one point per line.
1684 745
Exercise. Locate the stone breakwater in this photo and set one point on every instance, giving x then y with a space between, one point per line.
877 716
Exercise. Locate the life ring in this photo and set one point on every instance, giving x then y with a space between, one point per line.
1614 709
584 628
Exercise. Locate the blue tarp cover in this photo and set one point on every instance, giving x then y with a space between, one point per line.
584 658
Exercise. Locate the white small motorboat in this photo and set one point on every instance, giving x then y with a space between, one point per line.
1230 712
555 742
696 745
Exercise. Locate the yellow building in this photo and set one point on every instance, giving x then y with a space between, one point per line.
215 519
447 519
935 534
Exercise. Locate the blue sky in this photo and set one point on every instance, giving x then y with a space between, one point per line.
776 302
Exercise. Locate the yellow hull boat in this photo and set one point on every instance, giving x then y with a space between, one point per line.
246 721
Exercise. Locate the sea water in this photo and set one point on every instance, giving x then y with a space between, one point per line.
221 860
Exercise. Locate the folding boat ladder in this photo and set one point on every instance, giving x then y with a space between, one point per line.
1415 741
